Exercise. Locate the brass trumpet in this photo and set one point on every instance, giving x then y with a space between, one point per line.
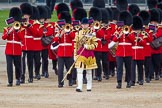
126 29
96 25
16 25
67 27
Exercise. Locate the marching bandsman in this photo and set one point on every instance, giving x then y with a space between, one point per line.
65 51
84 57
147 49
138 44
112 28
155 19
13 51
124 49
37 33
48 30
96 14
27 47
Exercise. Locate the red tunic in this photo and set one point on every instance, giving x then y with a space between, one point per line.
65 48
137 46
13 46
28 42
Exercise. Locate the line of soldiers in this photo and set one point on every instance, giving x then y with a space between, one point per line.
114 35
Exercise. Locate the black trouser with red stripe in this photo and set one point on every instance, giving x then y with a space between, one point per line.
140 70
16 60
44 55
101 56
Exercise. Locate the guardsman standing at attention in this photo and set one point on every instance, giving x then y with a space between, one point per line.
13 49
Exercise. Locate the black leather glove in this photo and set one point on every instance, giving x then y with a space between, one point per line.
103 41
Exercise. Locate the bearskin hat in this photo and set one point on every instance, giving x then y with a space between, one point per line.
126 17
16 13
26 8
62 7
43 12
49 12
75 4
133 9
145 17
105 15
137 23
66 16
160 12
95 13
79 13
122 4
159 5
35 15
116 13
152 3
155 15
109 10
99 3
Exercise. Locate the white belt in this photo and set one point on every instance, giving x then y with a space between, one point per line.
15 42
147 43
137 47
65 44
28 36
36 38
124 43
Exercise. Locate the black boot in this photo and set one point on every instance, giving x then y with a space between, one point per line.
46 75
17 82
30 80
119 85
128 85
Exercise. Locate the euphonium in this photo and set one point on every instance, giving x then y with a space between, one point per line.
16 25
126 29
